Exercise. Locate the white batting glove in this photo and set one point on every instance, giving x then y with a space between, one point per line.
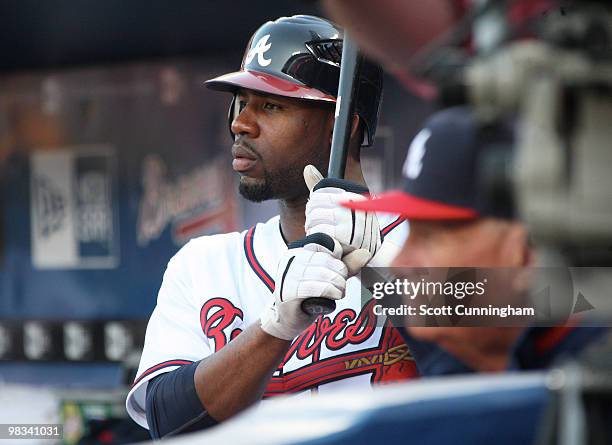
357 232
310 268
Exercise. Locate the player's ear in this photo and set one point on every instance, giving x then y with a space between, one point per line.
354 128
356 136
332 122
355 125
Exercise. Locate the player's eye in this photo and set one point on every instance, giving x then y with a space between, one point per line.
241 104
272 106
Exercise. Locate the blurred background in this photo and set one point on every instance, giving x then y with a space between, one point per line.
112 156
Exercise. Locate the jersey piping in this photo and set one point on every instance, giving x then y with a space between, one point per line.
256 266
159 366
392 226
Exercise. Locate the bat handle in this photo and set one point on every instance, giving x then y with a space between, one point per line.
345 107
318 306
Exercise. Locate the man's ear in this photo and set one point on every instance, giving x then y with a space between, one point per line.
516 247
354 128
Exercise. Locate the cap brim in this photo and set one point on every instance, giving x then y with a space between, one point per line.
411 207
258 81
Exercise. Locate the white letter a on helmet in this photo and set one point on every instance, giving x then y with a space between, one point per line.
260 49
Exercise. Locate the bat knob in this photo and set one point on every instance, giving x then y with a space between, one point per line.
318 306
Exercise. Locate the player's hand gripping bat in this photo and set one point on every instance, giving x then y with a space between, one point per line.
345 109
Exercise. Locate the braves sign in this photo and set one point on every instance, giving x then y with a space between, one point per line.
199 202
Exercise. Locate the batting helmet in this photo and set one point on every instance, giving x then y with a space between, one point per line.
299 57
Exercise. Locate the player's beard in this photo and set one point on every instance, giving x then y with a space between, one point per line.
274 185
287 184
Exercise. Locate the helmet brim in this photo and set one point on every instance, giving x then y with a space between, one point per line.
266 83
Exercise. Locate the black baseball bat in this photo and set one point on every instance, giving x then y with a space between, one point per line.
345 109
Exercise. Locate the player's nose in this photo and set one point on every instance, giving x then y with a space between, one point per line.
244 123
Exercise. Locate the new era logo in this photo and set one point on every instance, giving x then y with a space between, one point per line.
50 206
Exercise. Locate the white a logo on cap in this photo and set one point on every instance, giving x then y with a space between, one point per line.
260 49
414 161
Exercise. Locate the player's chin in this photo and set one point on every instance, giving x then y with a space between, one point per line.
255 190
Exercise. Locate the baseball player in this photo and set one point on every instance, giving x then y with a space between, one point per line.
228 328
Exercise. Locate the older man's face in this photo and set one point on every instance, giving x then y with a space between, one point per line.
476 243
479 243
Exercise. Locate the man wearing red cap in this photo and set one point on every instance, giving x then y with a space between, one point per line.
456 222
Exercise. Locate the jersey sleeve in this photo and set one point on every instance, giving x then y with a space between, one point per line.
174 336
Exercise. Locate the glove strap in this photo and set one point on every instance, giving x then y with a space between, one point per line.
343 184
322 239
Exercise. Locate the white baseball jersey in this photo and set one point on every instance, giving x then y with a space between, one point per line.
216 286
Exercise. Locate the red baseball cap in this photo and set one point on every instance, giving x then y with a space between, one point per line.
443 171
